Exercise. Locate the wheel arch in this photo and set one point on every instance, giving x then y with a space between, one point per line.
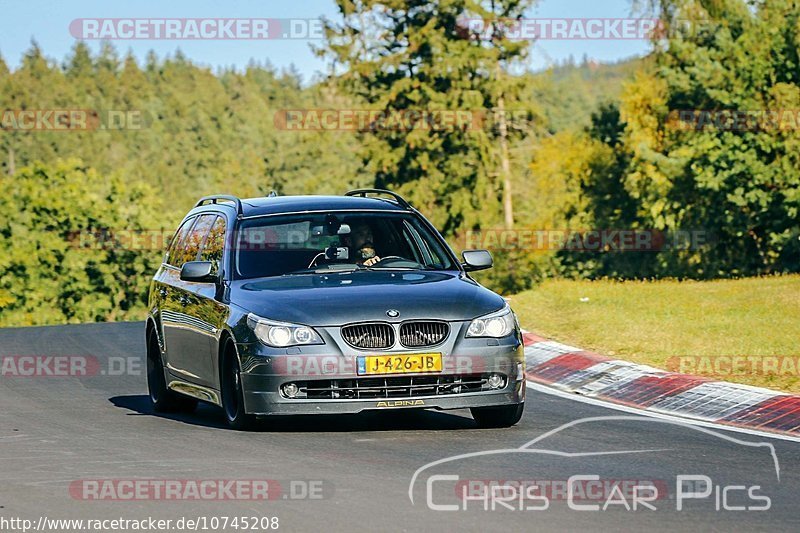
225 337
151 327
152 324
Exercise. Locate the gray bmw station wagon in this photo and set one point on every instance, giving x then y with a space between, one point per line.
327 304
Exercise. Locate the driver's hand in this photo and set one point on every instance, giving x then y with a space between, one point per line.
371 261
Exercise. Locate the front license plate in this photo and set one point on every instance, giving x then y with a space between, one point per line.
399 364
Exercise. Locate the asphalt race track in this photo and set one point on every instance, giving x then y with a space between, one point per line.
60 435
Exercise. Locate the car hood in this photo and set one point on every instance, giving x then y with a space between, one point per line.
335 299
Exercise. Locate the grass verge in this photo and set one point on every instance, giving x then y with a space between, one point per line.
744 330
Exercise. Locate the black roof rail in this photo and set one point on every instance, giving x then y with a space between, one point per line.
216 198
363 193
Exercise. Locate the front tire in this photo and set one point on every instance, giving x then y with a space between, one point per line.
232 391
503 416
162 399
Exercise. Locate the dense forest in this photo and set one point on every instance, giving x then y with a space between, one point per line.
577 147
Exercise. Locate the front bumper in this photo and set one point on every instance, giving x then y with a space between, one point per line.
334 387
270 403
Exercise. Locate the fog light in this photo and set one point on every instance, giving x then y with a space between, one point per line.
496 381
290 390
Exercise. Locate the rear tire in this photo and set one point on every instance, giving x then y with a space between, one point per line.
163 399
503 416
232 392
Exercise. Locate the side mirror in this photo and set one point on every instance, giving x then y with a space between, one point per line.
476 260
198 271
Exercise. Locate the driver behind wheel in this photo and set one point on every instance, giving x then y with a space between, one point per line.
361 243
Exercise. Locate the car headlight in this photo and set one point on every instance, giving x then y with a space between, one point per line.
498 324
282 334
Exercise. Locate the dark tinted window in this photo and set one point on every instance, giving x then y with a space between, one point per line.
297 244
177 241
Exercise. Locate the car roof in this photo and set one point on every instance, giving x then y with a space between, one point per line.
274 205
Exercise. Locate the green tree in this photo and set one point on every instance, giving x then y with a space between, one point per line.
398 57
64 247
737 182
203 132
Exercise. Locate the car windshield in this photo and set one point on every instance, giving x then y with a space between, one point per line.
336 242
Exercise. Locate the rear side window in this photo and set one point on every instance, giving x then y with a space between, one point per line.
177 241
215 242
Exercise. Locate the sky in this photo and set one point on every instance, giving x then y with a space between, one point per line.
48 22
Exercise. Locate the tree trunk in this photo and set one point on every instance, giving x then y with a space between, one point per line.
505 165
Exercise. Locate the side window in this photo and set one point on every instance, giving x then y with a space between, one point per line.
215 242
177 241
191 245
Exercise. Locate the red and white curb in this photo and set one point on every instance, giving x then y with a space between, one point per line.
572 370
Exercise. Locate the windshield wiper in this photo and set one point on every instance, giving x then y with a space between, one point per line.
346 269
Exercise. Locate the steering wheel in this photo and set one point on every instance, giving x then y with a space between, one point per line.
394 259
391 258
